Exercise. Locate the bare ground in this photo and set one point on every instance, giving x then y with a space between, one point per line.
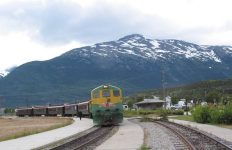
15 127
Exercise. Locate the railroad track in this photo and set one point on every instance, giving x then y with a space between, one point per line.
194 139
86 140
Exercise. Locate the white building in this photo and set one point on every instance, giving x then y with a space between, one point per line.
182 102
168 102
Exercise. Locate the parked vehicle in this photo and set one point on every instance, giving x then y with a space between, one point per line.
125 107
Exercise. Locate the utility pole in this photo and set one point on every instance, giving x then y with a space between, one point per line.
186 107
163 89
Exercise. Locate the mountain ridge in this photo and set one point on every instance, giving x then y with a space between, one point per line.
133 62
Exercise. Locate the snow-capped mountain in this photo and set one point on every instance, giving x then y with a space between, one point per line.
133 62
138 46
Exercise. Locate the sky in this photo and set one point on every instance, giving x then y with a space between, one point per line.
43 29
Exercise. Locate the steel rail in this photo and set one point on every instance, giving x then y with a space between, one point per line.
202 133
94 138
64 141
181 137
85 140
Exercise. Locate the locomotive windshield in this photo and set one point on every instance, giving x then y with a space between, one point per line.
116 93
96 94
106 93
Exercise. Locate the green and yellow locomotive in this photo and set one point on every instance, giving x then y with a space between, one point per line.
106 105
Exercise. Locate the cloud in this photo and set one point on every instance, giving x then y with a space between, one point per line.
17 48
42 29
58 22
50 23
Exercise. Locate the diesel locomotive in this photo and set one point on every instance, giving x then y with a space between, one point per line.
106 105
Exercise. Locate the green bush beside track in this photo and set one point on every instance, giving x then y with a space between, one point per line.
213 114
159 112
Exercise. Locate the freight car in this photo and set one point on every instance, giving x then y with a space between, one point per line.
106 105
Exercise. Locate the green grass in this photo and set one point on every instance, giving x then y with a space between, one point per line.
130 113
183 117
148 113
143 147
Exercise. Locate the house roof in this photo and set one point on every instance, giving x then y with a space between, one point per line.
150 101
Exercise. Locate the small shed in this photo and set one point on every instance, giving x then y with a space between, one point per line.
154 103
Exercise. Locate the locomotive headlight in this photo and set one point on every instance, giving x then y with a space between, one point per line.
105 86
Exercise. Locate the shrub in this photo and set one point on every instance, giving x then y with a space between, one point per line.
202 114
216 115
178 112
130 113
226 116
147 112
164 114
145 119
219 114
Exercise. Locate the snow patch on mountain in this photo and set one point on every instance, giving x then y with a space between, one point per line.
155 44
127 45
130 51
4 73
161 51
228 49
134 43
213 56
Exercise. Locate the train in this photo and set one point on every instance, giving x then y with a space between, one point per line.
105 107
